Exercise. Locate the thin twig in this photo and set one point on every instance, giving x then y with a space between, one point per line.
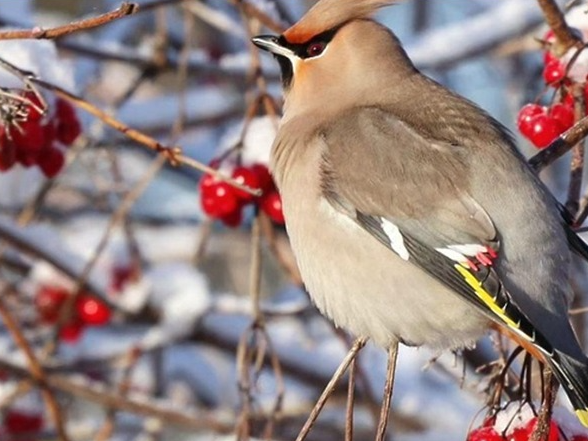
36 370
330 388
388 390
38 33
350 402
97 393
251 10
117 218
577 163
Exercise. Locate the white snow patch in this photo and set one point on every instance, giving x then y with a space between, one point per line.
257 142
39 57
182 295
19 184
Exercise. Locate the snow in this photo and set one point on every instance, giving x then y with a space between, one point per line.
182 296
49 245
19 185
39 57
579 69
446 45
260 133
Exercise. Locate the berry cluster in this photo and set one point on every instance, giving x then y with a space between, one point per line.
38 139
487 432
540 124
220 200
21 425
87 311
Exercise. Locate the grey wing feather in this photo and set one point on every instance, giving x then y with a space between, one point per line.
430 200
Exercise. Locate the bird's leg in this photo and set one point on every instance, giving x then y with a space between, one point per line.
330 388
388 389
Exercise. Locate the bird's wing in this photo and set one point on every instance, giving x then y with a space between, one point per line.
411 194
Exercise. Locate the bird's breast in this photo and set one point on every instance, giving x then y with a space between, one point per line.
360 284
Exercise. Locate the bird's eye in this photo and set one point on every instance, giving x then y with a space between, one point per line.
315 49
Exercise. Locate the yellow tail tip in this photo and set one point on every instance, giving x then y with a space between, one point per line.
582 415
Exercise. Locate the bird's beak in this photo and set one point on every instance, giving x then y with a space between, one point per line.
271 44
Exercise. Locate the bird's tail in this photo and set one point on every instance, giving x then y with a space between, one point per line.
572 375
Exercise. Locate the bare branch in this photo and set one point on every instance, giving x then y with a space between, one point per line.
37 33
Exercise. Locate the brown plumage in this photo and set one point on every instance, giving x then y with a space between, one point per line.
412 216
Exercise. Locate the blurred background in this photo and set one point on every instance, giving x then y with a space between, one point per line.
148 311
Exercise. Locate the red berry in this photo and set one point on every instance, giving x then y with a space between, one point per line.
68 131
16 421
271 204
51 161
519 434
71 331
248 177
50 133
7 155
33 113
549 36
92 311
48 301
64 111
206 183
26 159
266 183
525 116
554 72
544 129
553 429
568 100
563 115
220 200
30 136
233 219
484 434
549 57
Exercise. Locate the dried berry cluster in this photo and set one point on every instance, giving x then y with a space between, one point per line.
38 138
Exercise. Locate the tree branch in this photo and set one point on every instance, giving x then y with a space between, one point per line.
556 20
38 33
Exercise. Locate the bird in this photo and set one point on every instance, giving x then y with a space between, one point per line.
411 213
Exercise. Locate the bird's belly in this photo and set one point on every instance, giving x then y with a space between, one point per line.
367 289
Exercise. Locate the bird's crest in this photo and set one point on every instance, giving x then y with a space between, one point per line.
328 14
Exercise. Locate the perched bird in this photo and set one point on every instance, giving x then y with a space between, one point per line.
411 214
